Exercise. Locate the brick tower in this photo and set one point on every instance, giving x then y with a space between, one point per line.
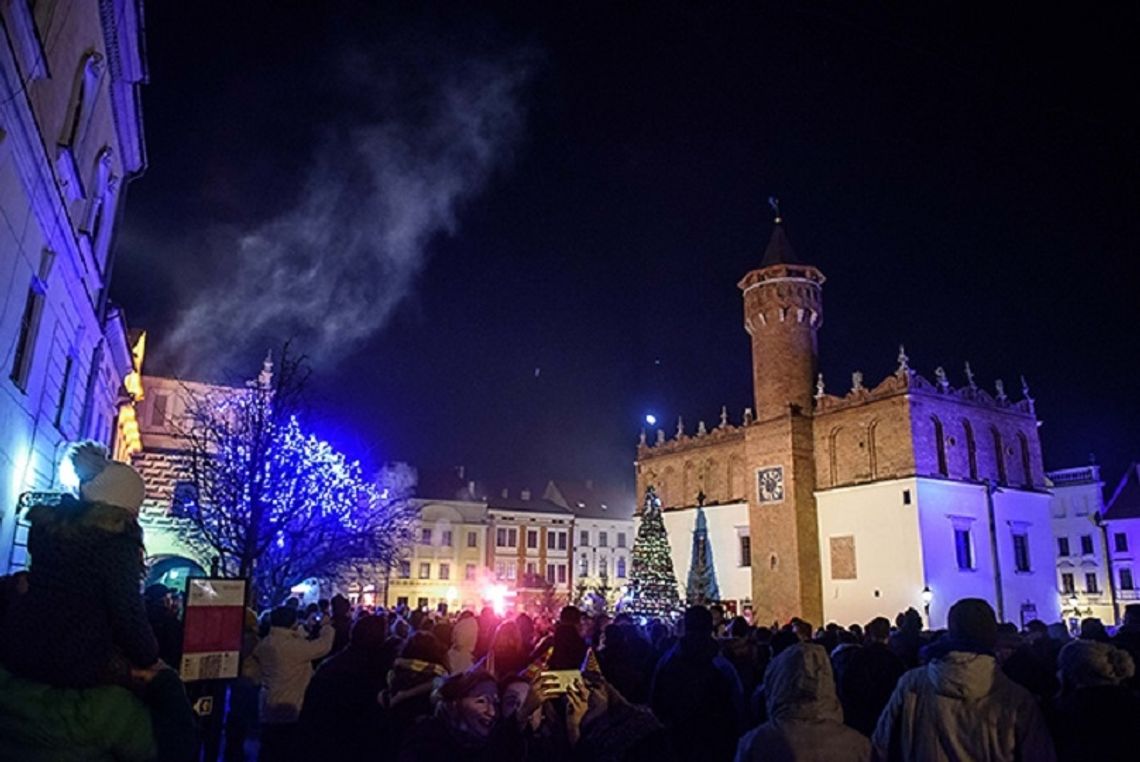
783 310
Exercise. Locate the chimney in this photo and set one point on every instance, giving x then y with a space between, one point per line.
471 488
525 494
506 493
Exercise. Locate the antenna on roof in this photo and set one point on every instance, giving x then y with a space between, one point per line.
775 204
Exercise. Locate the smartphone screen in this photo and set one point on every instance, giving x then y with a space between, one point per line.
564 677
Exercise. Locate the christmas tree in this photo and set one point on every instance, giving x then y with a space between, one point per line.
701 589
652 584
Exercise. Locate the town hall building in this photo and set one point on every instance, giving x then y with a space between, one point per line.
845 505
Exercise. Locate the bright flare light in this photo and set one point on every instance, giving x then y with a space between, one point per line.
651 419
497 596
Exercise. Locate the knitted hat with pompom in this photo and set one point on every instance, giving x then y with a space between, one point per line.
102 480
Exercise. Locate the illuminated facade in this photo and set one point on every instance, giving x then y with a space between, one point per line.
1122 535
1082 568
70 140
448 561
530 546
602 535
842 507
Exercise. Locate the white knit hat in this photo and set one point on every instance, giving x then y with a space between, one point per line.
102 480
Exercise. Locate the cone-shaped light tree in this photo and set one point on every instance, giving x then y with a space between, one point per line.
652 583
701 588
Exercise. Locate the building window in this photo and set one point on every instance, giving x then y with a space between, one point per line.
1090 583
971 449
532 538
621 568
603 539
422 604
1021 552
1126 579
405 570
531 569
512 569
1068 586
1086 545
425 537
1063 546
402 600
906 497
445 538
584 566
603 567
963 549
583 537
745 550
472 540
940 446
506 538
550 573
1026 467
1120 540
621 539
562 574
445 571
61 403
25 343
469 572
158 411
563 537
425 571
999 456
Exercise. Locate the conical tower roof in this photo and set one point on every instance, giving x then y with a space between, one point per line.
779 250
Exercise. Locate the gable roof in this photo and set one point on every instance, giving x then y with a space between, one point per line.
1125 501
587 501
531 505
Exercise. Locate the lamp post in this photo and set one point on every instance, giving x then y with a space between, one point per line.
927 597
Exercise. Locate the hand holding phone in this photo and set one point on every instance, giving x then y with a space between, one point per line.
558 681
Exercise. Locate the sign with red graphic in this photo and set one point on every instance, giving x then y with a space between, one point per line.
212 629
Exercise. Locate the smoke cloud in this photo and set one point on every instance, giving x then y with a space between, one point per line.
329 271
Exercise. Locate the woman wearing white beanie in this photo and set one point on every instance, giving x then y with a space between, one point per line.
1093 716
82 622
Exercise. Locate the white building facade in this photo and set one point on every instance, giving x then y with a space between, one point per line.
731 550
70 140
1083 581
603 534
1122 534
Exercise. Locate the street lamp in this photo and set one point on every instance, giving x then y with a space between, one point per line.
927 597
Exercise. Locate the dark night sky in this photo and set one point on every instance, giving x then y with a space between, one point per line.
967 182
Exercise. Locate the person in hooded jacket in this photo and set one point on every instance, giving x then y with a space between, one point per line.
1093 716
868 677
413 677
805 718
465 633
960 705
696 693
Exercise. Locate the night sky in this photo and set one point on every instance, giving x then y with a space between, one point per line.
967 182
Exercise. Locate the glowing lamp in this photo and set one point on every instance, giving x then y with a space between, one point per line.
301 589
927 596
1074 601
651 419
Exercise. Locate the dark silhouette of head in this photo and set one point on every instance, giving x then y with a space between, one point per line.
972 620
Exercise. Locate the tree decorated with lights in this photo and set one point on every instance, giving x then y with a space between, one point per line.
652 587
701 588
277 505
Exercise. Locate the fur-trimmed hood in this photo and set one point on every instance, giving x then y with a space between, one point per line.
73 516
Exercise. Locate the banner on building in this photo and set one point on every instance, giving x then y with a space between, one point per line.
212 628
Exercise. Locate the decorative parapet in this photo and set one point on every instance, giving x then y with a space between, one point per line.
724 432
1068 476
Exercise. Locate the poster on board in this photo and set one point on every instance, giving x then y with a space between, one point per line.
212 628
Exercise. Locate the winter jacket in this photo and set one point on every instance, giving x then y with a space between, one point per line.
464 635
39 723
1094 723
82 621
806 721
697 696
624 733
434 739
961 706
341 702
284 663
866 683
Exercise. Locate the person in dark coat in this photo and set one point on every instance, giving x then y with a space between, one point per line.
908 640
341 622
1128 637
464 726
82 622
1094 715
697 695
411 680
340 704
868 678
164 621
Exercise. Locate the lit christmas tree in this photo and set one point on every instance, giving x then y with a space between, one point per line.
652 583
701 589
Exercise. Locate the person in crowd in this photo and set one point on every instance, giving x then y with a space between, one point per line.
12 586
464 635
340 619
625 661
82 622
601 726
1093 716
805 720
907 640
1093 629
569 645
506 656
783 639
463 726
106 723
696 693
488 621
340 701
868 678
284 662
1128 638
960 705
164 621
413 677
241 717
741 651
526 631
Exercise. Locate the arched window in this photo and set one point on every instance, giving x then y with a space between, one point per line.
621 568
1026 468
872 452
940 445
999 456
971 449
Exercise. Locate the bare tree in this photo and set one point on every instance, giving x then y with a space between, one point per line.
278 505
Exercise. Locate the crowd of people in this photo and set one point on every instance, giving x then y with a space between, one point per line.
88 672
